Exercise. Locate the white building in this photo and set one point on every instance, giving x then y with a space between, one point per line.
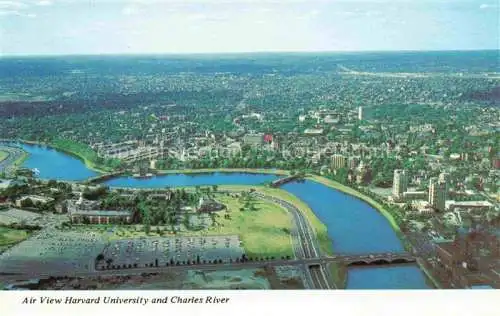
478 205
34 198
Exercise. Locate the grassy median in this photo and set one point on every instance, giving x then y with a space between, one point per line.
3 155
10 237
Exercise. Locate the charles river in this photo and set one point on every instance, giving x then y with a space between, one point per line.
353 226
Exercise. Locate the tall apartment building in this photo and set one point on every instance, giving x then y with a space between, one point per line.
399 183
437 194
338 161
445 179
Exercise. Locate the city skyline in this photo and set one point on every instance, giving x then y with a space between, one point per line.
68 27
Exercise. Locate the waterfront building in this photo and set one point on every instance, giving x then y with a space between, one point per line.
338 161
399 183
437 194
470 260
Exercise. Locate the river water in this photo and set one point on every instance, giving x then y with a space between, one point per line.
353 225
175 180
54 164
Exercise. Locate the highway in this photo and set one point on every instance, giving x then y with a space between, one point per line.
319 278
308 246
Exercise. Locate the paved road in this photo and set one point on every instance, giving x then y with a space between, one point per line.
314 265
319 277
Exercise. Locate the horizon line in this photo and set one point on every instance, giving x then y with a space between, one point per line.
277 52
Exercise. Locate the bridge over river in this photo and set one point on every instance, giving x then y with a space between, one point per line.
364 259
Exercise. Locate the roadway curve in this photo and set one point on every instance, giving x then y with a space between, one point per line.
305 244
13 154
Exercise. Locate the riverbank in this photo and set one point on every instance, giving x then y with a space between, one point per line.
348 190
338 272
19 161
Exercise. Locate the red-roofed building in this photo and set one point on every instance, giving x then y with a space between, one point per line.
496 163
268 138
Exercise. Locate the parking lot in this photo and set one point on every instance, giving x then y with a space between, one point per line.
15 216
53 250
170 250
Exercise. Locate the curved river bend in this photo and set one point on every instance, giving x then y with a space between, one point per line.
353 225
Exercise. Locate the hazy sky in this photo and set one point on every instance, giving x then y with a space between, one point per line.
180 26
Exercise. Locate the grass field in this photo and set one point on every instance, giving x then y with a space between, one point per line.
264 231
3 155
9 237
317 225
